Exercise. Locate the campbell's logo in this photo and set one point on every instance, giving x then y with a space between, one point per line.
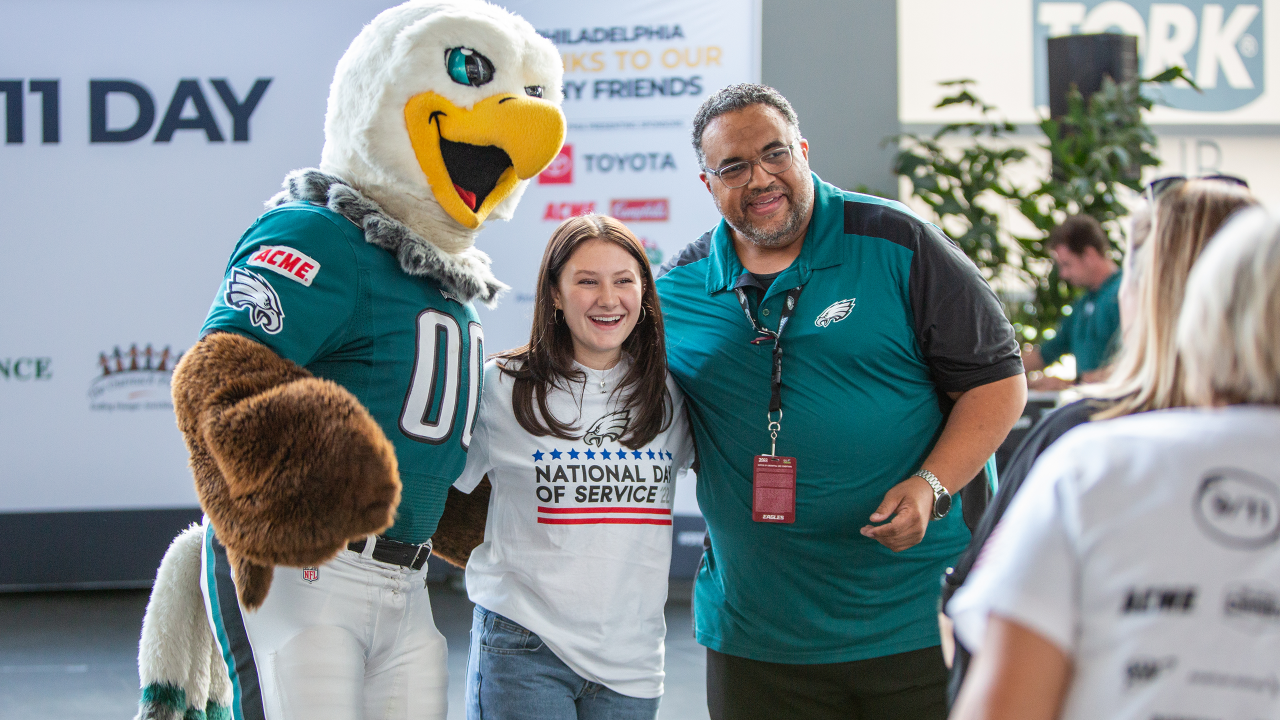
651 210
1238 508
566 210
560 171
1221 45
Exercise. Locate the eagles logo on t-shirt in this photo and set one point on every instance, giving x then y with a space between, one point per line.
609 427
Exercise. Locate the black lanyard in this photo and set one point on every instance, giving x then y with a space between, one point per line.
775 380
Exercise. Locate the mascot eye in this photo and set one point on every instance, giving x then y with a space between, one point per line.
533 90
468 67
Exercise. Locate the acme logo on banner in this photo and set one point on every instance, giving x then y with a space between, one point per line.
1222 45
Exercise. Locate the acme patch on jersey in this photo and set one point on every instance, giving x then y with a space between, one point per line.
286 261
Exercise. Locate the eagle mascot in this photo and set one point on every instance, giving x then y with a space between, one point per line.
329 403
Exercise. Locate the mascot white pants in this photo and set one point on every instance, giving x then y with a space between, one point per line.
353 638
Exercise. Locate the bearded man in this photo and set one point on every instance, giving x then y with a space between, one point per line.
847 370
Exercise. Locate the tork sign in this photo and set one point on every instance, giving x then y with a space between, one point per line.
1221 45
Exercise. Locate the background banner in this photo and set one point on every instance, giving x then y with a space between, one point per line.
1232 125
1001 44
142 137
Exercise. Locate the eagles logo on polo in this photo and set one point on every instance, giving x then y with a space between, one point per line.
835 312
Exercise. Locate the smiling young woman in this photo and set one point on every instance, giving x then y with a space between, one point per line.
581 434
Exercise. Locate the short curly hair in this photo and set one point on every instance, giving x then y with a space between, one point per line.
738 97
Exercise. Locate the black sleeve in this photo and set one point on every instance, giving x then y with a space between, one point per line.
693 252
1047 431
959 322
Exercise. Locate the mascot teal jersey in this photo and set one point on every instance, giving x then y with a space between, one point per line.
304 282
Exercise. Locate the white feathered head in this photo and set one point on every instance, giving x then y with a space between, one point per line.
441 112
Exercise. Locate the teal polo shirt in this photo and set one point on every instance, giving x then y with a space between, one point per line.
304 282
892 315
1091 330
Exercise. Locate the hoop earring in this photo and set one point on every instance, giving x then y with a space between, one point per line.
556 318
642 314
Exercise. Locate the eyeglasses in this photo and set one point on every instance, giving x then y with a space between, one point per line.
735 175
1160 186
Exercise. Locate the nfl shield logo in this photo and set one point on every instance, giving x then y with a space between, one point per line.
310 574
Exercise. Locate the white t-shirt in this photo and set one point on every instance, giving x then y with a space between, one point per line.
577 547
1148 549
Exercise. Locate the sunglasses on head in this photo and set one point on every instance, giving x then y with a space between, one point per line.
1160 186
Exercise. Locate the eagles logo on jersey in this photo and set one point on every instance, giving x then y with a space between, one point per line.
609 427
835 312
249 291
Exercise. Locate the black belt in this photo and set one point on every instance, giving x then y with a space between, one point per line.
395 552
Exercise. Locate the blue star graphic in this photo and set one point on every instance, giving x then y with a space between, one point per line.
573 454
670 456
635 454
556 454
606 454
591 454
537 456
651 455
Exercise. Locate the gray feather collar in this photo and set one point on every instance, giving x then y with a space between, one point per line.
465 275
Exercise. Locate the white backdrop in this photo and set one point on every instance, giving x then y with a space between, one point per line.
1233 126
111 248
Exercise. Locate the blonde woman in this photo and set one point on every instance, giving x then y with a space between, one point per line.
1134 575
1145 374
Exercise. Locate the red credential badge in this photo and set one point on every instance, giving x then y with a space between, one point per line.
773 489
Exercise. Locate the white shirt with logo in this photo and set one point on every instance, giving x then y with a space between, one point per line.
577 547
1148 549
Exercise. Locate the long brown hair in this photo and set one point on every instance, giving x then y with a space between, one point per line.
548 358
1148 374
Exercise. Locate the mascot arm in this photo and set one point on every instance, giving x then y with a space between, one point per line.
287 466
461 527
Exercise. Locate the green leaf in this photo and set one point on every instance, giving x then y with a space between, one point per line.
1177 72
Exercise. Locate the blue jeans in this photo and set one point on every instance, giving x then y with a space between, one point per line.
513 675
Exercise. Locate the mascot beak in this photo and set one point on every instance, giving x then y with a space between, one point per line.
474 158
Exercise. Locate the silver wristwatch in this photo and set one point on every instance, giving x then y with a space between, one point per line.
941 498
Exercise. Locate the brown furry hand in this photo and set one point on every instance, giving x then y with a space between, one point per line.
461 527
287 466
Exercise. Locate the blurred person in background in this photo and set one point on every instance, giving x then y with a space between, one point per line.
1163 245
1089 331
1135 574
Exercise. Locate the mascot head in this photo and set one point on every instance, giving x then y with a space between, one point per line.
441 112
